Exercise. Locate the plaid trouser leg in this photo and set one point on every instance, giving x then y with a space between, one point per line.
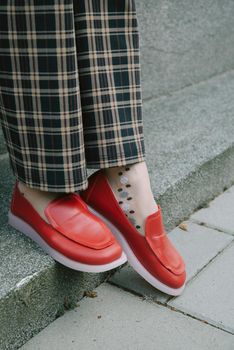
109 72
69 89
40 97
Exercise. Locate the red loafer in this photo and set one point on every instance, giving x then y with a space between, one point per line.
154 257
74 236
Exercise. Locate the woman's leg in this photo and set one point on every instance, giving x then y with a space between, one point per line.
44 64
109 74
42 124
40 99
132 189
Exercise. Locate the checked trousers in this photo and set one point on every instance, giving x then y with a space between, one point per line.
70 89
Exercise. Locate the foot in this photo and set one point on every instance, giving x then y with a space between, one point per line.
152 255
72 235
38 199
132 190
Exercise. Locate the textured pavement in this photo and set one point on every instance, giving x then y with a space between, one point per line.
127 313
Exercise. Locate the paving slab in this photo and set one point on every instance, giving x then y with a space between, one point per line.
118 320
220 213
210 295
198 246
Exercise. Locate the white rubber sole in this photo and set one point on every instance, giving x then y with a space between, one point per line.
25 228
135 263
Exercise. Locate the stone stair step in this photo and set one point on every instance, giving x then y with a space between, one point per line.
184 42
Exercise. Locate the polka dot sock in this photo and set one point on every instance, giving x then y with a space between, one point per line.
131 187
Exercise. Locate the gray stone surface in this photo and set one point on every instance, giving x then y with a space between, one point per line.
34 289
129 280
117 320
209 297
190 146
184 42
220 212
198 245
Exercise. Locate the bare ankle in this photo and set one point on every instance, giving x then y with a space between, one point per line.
38 199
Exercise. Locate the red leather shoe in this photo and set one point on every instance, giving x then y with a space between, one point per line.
154 257
74 236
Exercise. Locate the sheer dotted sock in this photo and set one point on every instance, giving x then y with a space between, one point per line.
131 187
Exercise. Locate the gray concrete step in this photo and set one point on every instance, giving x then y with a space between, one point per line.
184 42
190 145
190 154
